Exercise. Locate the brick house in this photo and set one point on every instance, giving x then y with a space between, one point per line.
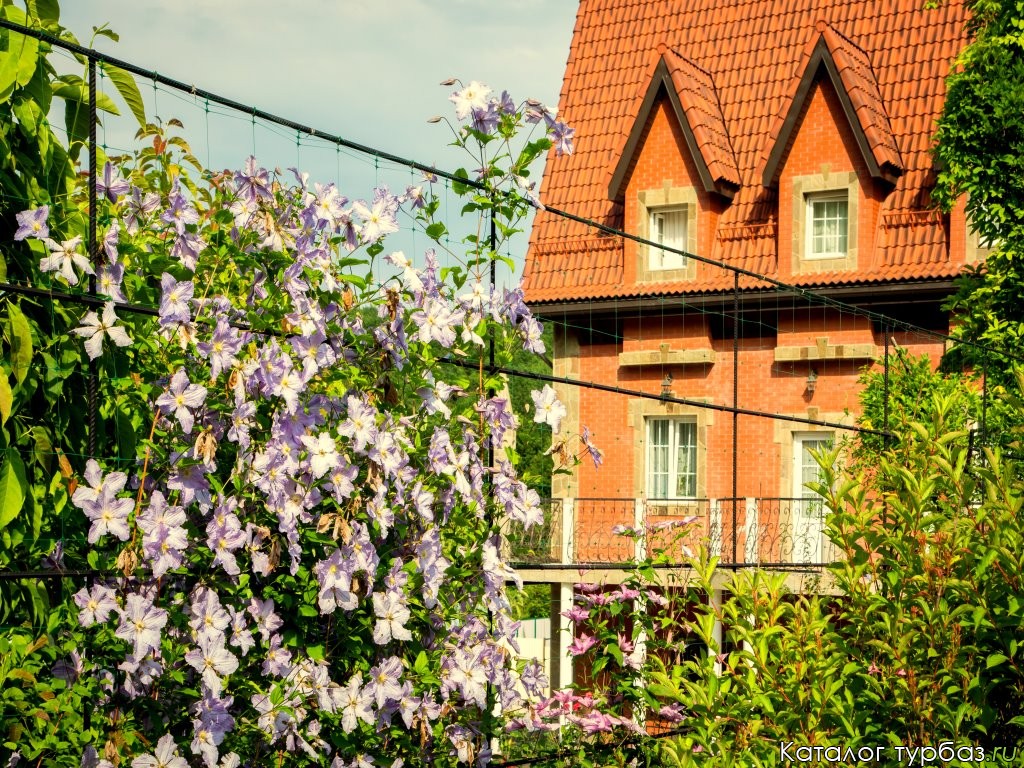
789 139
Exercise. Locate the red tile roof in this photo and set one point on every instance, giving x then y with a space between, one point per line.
736 67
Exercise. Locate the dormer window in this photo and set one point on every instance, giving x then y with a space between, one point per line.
825 218
666 216
668 227
828 226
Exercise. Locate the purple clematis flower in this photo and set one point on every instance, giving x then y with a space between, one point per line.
33 223
96 604
174 300
165 756
221 348
355 704
139 207
378 218
110 240
179 212
180 397
473 96
392 614
111 184
596 454
141 623
212 660
108 282
385 681
64 257
253 182
547 407
582 644
94 328
562 135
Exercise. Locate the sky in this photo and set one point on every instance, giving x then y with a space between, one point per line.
368 71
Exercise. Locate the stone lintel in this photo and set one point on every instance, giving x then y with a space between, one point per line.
667 357
826 351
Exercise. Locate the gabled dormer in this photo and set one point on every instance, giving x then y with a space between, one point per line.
849 71
675 170
690 93
833 158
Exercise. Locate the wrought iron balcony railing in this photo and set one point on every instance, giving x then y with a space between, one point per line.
752 531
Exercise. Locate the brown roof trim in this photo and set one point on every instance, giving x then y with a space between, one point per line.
905 291
661 81
820 57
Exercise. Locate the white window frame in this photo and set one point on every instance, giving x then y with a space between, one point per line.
659 259
824 197
671 470
808 511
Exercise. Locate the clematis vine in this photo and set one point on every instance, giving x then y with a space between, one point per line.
308 533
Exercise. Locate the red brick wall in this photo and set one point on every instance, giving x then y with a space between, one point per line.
823 136
763 385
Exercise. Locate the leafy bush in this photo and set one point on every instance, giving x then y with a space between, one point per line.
918 644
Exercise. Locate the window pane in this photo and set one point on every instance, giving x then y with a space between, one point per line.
810 471
686 459
668 227
828 228
658 455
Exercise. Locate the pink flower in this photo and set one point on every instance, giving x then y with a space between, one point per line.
582 644
576 614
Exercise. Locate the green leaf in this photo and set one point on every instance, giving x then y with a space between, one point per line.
994 660
20 338
129 91
13 487
74 89
126 435
6 399
614 650
19 54
422 665
76 120
44 10
105 31
458 187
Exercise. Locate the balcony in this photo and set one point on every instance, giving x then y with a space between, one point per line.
760 532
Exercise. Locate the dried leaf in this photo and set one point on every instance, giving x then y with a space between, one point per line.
65 466
127 561
394 301
206 446
390 393
359 584
343 530
275 554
